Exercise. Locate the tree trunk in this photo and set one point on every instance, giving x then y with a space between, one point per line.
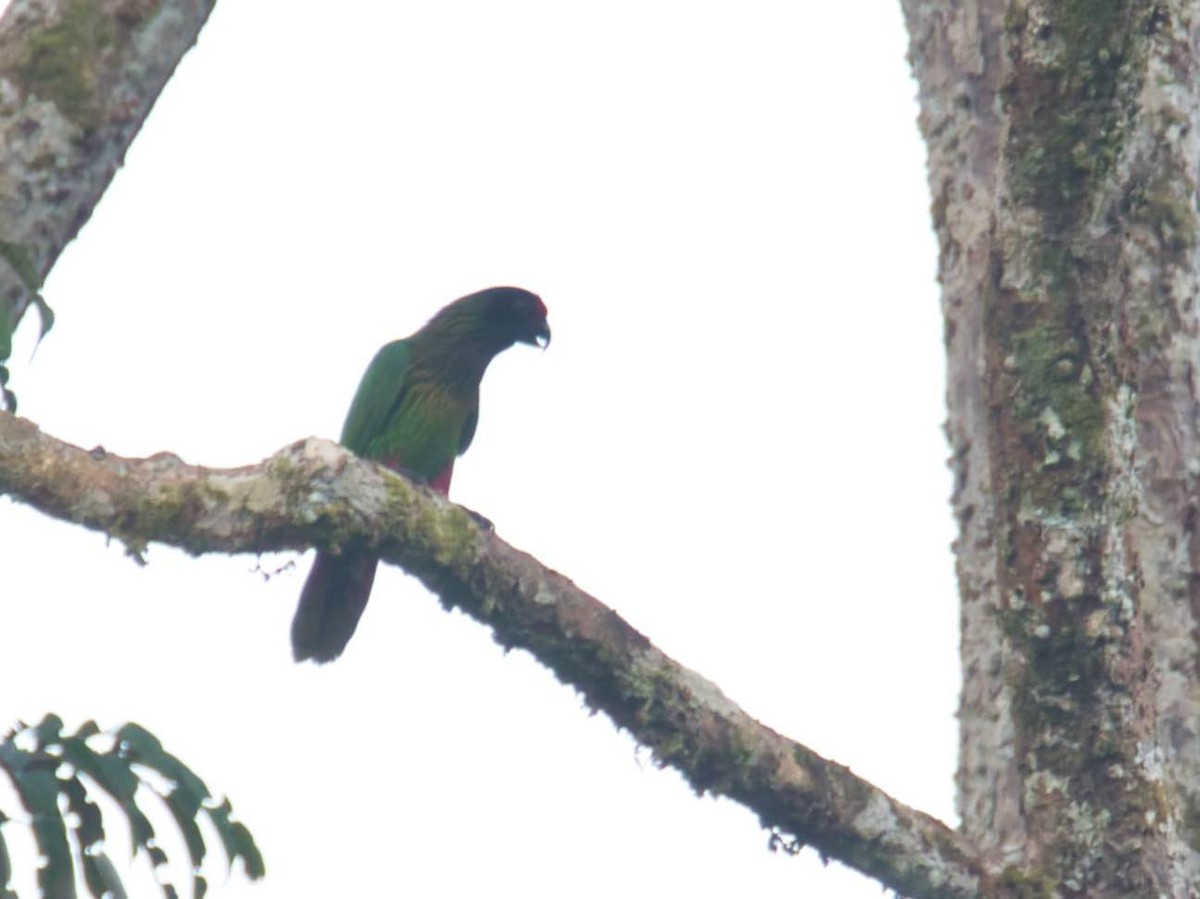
1062 168
1063 155
77 79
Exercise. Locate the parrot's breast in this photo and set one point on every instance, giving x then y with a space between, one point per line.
424 433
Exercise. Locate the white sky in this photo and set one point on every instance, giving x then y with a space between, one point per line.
734 438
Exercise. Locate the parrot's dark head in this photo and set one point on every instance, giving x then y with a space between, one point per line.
512 315
466 335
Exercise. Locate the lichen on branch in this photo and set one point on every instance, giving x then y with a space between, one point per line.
315 493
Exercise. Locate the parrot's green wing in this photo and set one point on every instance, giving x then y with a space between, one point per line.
379 394
468 431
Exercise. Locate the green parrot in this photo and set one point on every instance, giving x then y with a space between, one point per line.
415 411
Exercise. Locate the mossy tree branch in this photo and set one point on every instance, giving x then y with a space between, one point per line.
314 493
77 79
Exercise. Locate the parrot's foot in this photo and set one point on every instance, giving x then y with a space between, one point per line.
482 521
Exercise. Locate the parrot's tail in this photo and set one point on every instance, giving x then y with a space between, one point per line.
331 603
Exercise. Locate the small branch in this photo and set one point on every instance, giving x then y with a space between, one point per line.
314 493
77 79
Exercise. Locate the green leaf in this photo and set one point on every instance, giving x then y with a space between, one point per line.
21 261
188 792
8 399
5 871
115 778
183 810
45 316
87 729
247 851
110 772
38 789
101 876
48 731
66 766
32 775
98 872
237 840
6 332
90 829
139 743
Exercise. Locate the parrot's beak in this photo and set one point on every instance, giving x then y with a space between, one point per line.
542 335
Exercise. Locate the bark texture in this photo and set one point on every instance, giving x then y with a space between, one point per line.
77 79
316 493
1063 171
1063 156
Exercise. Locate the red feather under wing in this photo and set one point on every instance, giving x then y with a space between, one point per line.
442 482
